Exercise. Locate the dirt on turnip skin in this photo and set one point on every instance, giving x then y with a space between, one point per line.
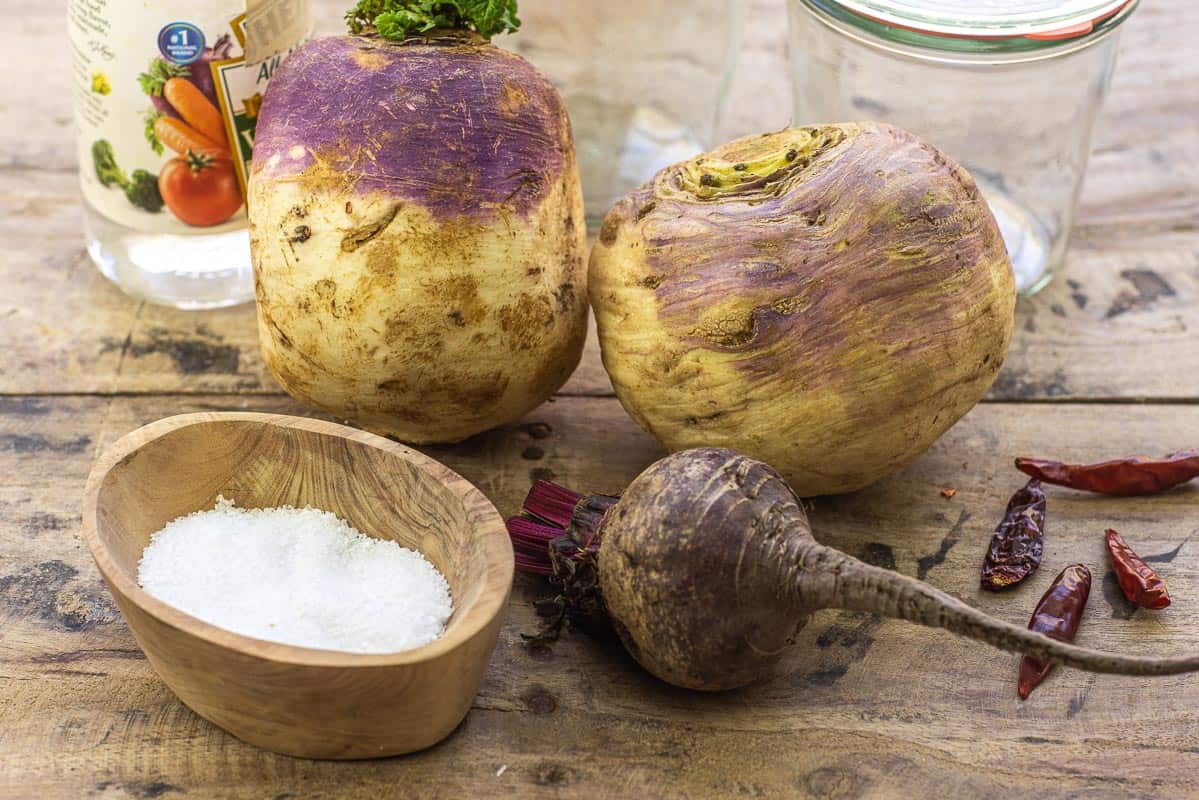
708 570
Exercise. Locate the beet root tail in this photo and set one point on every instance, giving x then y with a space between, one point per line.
840 581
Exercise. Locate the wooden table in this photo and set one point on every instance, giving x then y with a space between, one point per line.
1106 361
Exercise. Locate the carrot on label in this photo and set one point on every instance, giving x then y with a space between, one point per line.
196 109
181 137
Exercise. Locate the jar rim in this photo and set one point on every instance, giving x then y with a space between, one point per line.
931 25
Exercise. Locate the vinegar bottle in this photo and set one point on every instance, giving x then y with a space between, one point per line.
166 101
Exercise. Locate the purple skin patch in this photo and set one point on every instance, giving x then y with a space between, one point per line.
462 129
883 226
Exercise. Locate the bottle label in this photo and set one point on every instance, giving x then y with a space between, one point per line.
166 101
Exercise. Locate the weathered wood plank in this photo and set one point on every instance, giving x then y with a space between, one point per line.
871 704
1121 322
1144 167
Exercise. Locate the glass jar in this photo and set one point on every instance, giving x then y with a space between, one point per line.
1009 89
645 84
166 101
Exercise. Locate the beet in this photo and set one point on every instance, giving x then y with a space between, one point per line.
708 570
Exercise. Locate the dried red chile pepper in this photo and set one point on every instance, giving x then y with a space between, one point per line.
1138 581
1137 475
1057 616
1015 550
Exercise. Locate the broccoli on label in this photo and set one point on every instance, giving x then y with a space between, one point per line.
141 189
106 164
143 192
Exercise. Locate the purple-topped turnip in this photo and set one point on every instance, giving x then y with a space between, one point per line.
416 224
829 299
707 569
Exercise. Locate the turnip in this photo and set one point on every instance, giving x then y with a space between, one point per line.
707 569
416 224
828 299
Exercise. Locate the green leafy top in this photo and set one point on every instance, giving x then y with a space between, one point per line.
400 19
154 78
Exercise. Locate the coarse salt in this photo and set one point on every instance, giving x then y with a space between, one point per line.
299 576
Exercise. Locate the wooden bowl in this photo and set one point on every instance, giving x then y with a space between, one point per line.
296 700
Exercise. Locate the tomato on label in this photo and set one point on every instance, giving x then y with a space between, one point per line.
200 189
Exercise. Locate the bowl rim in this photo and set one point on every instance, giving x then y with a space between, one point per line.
487 522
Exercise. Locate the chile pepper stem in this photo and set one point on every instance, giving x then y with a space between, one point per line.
835 580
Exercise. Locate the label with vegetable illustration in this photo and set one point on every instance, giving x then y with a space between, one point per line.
166 101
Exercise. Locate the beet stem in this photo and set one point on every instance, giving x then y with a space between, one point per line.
551 503
531 544
831 579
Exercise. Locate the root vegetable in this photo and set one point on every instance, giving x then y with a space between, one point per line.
829 299
416 224
182 138
196 109
708 570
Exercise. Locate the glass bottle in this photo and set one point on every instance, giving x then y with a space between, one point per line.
645 81
1010 90
166 99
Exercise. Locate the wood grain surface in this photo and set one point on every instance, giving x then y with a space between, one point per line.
1104 362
